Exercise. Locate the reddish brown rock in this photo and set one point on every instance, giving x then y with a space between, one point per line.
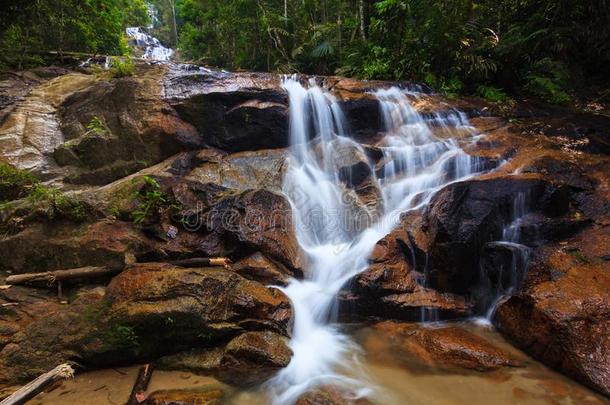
204 396
250 358
446 347
329 395
562 314
53 246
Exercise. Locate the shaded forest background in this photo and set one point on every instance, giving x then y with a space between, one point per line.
547 48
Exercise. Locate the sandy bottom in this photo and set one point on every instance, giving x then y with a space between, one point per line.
532 384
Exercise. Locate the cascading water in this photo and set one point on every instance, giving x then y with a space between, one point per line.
153 48
507 276
415 164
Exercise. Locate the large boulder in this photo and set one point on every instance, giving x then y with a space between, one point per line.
464 216
449 348
250 358
562 314
147 311
232 111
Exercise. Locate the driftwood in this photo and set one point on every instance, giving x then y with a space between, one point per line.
30 390
203 261
138 392
50 277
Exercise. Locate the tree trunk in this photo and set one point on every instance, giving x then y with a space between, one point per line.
362 19
30 390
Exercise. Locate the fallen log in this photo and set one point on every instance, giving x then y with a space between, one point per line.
203 261
30 390
50 277
138 392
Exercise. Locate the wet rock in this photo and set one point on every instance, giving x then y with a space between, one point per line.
232 111
204 396
259 268
259 220
200 303
329 395
461 218
248 359
53 246
31 131
449 348
562 314
150 310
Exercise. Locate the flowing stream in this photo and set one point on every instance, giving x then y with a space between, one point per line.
336 246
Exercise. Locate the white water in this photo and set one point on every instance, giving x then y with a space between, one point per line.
415 165
511 238
153 48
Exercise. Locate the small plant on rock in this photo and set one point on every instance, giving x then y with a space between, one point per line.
151 201
15 183
96 126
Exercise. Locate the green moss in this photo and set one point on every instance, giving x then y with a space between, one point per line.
15 183
58 204
120 336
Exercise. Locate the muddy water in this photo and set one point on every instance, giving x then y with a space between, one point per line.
398 378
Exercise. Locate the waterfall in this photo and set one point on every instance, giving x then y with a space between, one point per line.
415 164
507 275
153 48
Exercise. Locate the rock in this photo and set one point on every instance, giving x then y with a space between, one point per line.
464 216
205 396
232 111
250 358
31 132
562 314
54 246
449 348
329 395
22 306
150 310
259 268
135 125
200 303
259 220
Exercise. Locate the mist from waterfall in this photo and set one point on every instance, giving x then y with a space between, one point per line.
336 246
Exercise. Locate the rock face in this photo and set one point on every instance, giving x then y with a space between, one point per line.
113 129
562 314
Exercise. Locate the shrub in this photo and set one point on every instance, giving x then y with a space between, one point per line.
491 93
122 67
151 201
546 89
15 183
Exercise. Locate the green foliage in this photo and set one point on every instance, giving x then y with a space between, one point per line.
151 201
456 46
57 204
15 183
119 336
492 93
96 126
121 67
31 28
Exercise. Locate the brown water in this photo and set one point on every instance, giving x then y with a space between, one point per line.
399 381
